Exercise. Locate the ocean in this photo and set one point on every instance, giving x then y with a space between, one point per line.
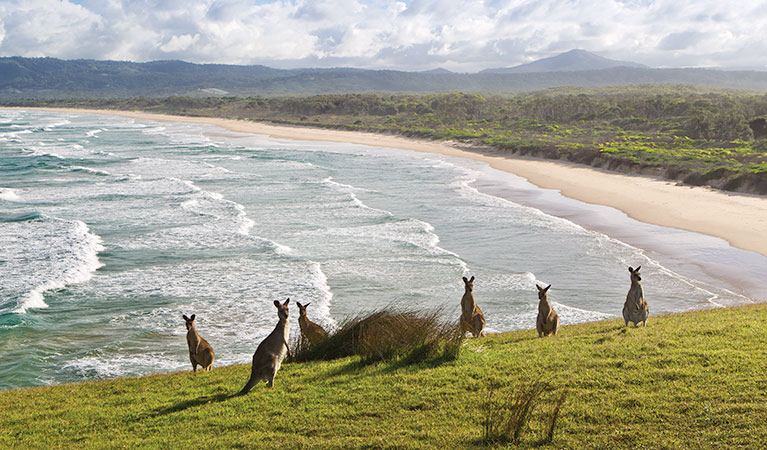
112 228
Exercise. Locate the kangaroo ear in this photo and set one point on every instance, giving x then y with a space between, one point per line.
637 269
465 280
185 317
286 302
472 279
307 305
547 288
277 303
192 318
631 269
300 305
539 288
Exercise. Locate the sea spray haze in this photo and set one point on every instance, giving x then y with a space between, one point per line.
112 228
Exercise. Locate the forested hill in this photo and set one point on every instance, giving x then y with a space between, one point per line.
571 61
25 78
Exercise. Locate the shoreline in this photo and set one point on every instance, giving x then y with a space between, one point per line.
740 219
481 181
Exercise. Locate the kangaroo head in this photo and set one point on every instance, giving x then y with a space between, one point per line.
189 321
282 309
302 308
469 284
635 277
543 293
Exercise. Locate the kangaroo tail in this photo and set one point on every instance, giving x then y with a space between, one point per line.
248 386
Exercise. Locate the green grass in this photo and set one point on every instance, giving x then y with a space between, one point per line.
693 380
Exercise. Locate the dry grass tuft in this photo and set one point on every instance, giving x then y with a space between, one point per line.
385 335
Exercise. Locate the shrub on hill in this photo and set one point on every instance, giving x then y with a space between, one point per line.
386 335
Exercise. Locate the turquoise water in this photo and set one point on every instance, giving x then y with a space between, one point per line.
112 228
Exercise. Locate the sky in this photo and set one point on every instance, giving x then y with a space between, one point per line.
458 35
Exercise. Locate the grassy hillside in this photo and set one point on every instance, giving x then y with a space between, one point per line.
693 380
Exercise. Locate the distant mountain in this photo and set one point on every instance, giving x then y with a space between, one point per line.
437 70
51 77
571 61
48 78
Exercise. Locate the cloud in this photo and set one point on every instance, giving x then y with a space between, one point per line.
180 43
682 40
461 35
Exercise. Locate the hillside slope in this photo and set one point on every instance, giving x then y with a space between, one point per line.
693 380
571 61
48 78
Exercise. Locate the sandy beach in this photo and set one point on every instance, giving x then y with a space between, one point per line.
740 219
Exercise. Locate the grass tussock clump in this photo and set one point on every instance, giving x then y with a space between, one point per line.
386 335
532 407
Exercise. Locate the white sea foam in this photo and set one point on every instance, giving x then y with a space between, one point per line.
119 363
570 314
320 307
130 177
90 171
524 281
51 126
41 151
281 249
154 130
220 221
185 186
215 205
9 195
412 231
464 185
59 151
93 133
219 168
16 135
47 254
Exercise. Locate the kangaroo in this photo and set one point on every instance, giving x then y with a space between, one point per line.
635 309
313 332
472 319
547 322
271 351
200 352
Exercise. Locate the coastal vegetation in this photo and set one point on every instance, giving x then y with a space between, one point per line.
690 380
698 136
387 334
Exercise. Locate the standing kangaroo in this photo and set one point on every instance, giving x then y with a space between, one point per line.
472 319
635 309
200 352
547 322
271 351
313 332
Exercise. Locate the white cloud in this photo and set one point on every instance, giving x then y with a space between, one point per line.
462 35
180 43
